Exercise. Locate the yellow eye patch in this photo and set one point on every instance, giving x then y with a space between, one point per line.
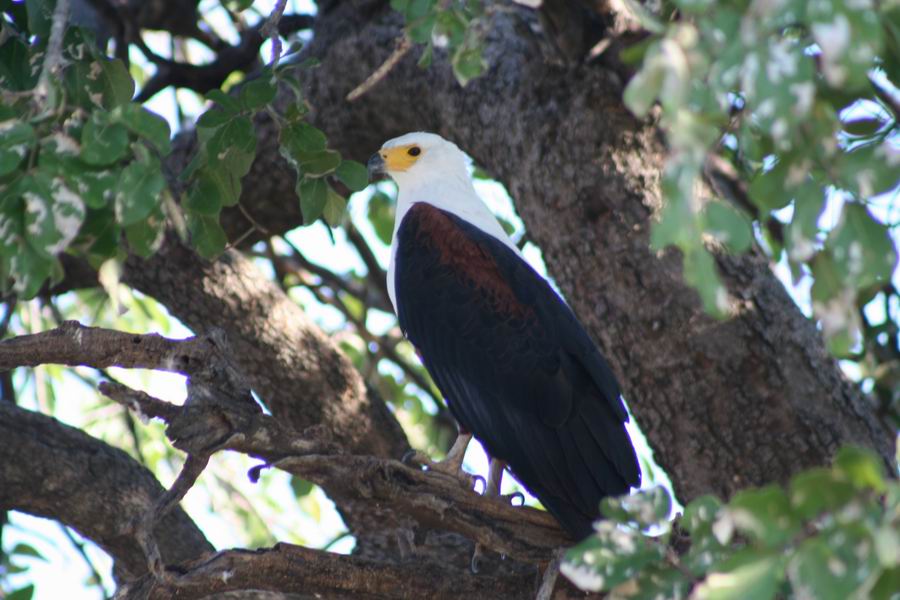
400 158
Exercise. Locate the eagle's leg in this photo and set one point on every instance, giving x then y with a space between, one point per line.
495 478
452 464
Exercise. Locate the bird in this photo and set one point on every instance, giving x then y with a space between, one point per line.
515 366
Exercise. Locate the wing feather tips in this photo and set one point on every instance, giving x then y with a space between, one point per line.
612 437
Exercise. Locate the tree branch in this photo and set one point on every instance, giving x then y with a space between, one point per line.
434 500
74 344
314 573
55 471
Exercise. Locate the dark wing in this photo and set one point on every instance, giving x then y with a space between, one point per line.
514 364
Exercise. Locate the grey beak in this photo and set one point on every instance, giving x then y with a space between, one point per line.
375 167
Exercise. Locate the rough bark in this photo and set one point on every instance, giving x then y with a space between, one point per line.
317 574
55 471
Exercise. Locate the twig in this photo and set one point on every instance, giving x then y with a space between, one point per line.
203 78
403 46
76 345
53 58
376 274
79 547
545 592
193 467
270 30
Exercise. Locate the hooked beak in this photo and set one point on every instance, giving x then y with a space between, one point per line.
375 167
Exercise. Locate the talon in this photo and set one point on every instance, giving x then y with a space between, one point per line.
414 457
450 466
511 498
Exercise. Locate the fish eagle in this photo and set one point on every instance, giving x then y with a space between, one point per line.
516 368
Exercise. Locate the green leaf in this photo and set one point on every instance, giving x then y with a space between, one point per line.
96 187
101 234
205 195
700 514
887 585
22 549
863 250
208 237
145 124
112 80
777 81
835 567
850 39
53 213
701 274
103 143
301 487
381 216
610 557
353 174
258 92
468 62
313 196
230 154
700 518
29 270
644 88
15 139
818 490
863 126
238 5
863 468
40 17
764 514
16 73
728 226
335 206
317 164
214 117
756 578
145 237
138 191
302 138
771 190
694 7
645 508
224 101
655 582
24 593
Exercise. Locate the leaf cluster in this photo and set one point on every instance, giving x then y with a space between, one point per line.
80 165
832 533
459 26
793 95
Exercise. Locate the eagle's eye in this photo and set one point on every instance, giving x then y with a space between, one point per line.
414 151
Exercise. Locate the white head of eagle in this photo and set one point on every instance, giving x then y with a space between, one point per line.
515 366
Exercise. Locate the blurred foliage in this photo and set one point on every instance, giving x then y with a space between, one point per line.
833 533
11 564
800 97
459 27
